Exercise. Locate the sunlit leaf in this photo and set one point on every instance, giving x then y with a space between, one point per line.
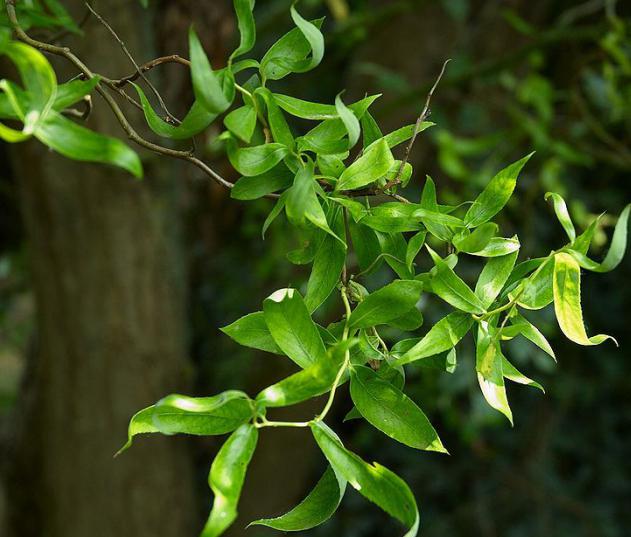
373 481
495 195
391 411
443 336
226 477
315 509
215 415
292 328
567 301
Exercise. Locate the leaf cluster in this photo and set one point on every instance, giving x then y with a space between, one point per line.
336 183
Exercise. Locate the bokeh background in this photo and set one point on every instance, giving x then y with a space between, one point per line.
112 291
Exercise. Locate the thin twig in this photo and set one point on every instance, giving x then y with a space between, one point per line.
417 127
173 58
134 63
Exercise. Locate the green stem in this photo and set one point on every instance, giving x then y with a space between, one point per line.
345 364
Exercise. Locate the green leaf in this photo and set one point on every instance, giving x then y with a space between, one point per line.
495 195
255 160
443 336
498 247
247 27
204 416
393 249
521 325
511 373
450 287
367 169
39 80
140 423
493 278
328 264
331 165
429 203
78 143
241 122
314 37
386 304
489 369
560 208
391 411
196 120
208 88
292 328
373 481
273 214
226 477
393 217
535 292
350 121
616 249
73 91
366 246
290 49
409 321
257 186
584 240
251 331
403 134
476 240
371 130
318 111
445 361
277 122
312 381
414 247
315 509
303 204
567 301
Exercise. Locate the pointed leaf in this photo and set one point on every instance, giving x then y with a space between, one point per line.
495 195
493 277
251 331
450 287
78 143
255 160
567 301
140 423
490 374
257 186
367 169
616 249
391 411
215 415
560 208
443 336
373 481
315 509
247 27
386 304
226 477
292 328
209 90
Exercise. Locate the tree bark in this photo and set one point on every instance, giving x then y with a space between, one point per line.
110 337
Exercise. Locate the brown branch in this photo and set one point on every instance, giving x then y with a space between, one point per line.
417 127
173 58
125 50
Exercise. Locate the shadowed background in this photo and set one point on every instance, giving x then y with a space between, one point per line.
112 290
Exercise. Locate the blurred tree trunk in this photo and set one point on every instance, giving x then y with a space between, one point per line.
110 337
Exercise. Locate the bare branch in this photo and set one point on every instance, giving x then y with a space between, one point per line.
417 126
133 61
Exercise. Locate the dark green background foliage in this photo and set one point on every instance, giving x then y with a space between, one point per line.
553 77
